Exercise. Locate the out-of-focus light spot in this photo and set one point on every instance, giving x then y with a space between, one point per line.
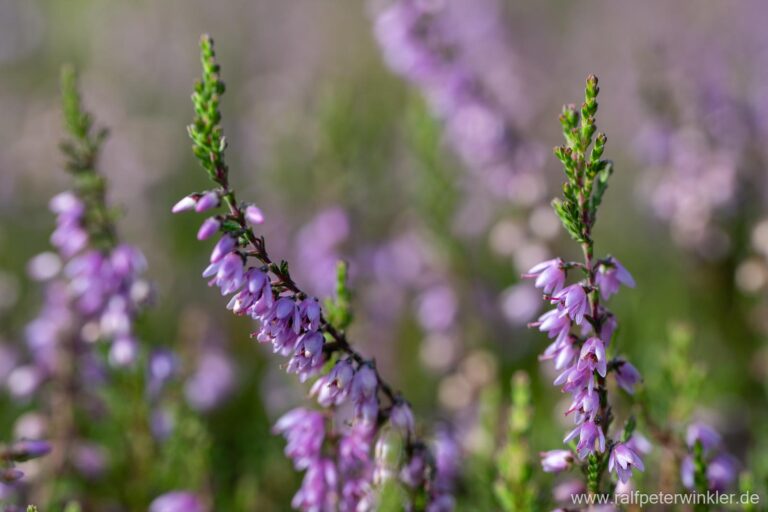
479 368
519 303
438 351
506 236
544 222
760 237
44 266
529 255
751 276
455 392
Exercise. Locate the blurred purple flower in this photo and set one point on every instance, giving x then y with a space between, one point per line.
177 501
556 461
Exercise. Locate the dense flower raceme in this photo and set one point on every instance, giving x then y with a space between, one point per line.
580 326
581 358
91 294
721 467
294 325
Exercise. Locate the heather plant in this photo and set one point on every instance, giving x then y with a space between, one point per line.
580 324
86 379
346 454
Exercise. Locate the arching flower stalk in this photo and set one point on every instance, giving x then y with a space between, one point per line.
580 325
339 469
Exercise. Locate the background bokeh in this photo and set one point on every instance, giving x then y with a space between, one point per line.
348 162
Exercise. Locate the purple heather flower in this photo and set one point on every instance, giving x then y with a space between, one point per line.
224 246
254 215
687 471
607 329
127 261
304 431
256 299
555 323
709 438
611 274
623 459
66 204
309 310
627 376
364 395
365 384
356 494
592 356
574 379
318 489
563 351
367 411
414 470
186 203
591 438
333 389
586 403
207 201
228 273
550 276
308 356
280 325
401 417
28 449
556 461
355 449
574 299
177 501
208 228
722 471
447 463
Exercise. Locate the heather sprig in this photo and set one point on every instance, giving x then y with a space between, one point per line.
581 326
83 346
339 469
94 289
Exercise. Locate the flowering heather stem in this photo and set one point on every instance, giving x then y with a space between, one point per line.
581 325
210 146
81 149
94 291
296 326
